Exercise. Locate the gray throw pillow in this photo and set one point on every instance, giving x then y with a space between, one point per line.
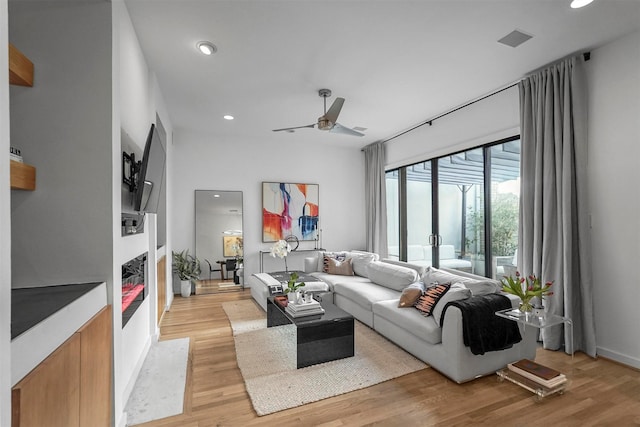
391 276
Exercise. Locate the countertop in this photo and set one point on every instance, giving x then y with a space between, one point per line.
30 306
43 318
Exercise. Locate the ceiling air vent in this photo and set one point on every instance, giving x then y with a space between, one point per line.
515 38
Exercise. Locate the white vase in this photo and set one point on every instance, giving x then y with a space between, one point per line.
293 297
185 288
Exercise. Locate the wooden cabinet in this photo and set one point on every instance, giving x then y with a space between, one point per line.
49 395
71 387
162 286
23 176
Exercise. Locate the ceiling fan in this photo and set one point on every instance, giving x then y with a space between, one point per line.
328 121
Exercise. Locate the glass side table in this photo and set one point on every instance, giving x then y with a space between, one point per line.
540 321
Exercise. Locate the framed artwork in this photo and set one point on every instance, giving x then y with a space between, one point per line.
289 209
232 246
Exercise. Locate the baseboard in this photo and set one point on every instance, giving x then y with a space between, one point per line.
123 420
619 358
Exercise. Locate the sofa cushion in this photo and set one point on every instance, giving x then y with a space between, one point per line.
456 292
364 293
430 298
484 286
390 275
334 266
332 279
360 260
410 320
411 294
375 256
420 269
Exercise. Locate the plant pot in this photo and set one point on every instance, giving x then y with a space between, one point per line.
185 288
293 297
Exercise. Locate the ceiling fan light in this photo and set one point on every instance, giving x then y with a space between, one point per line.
576 4
206 48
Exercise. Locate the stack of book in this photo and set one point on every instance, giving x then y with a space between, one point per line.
305 309
538 373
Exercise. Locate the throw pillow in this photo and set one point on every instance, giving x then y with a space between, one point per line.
430 298
340 256
456 292
391 276
411 294
359 261
342 268
477 286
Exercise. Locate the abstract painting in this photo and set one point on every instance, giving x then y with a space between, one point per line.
289 210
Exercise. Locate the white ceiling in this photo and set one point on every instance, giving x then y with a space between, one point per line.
397 63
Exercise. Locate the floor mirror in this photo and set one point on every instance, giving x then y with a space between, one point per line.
219 242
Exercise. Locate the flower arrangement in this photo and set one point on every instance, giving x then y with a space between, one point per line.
281 249
526 289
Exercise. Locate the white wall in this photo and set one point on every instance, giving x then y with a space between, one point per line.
614 150
63 126
5 227
137 101
203 163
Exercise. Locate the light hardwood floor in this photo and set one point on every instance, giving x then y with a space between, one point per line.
602 393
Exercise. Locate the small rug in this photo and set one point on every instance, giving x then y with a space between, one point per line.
159 389
267 360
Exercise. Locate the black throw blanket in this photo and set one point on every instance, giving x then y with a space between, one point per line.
482 330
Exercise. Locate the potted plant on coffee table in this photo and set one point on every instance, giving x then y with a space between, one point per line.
187 267
292 287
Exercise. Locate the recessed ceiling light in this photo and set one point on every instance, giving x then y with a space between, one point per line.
206 48
576 4
228 117
216 195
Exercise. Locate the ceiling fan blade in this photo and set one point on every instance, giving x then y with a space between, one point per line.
297 127
334 110
338 128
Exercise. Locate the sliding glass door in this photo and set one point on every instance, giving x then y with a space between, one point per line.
460 204
419 213
436 210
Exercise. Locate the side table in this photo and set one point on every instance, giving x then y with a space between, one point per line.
540 321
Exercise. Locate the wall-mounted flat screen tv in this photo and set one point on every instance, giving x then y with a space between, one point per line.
150 177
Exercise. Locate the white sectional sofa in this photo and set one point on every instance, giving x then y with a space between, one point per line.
372 296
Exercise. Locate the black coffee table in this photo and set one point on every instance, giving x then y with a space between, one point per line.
320 337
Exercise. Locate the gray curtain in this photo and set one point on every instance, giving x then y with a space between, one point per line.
376 198
554 232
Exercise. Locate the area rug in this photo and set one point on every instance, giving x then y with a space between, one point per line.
267 360
159 389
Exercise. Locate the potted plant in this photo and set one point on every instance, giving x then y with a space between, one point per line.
526 288
188 269
292 287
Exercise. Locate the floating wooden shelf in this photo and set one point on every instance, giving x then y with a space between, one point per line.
23 176
20 68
